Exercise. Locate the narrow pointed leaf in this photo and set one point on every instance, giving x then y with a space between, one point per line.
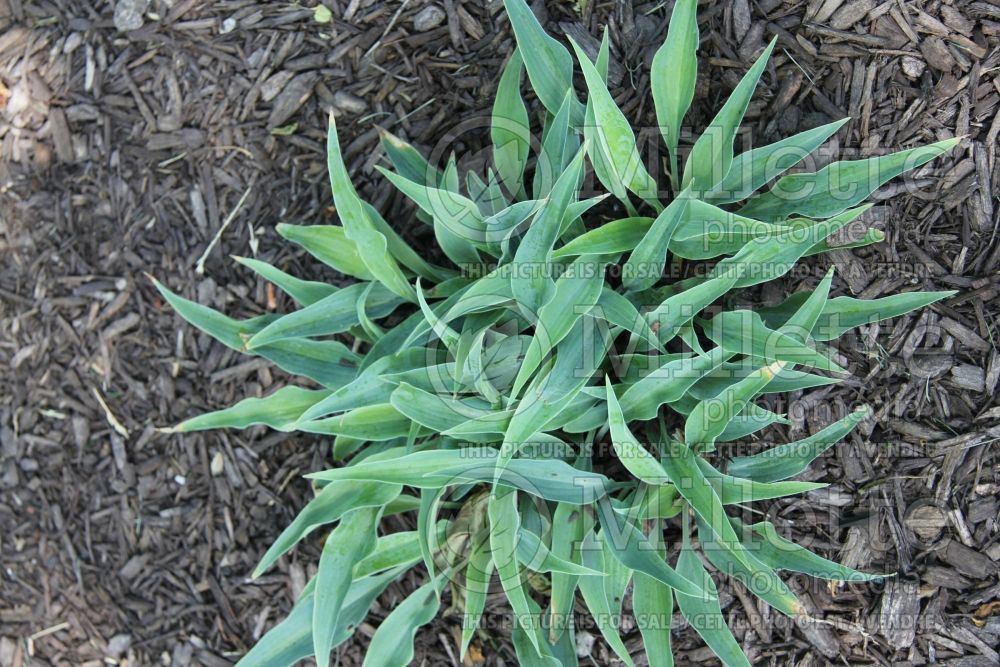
392 643
667 384
763 540
305 292
509 129
615 139
530 284
772 256
738 491
371 243
801 324
350 541
478 573
402 252
596 598
682 466
549 64
844 313
334 314
535 556
377 422
645 265
710 417
546 397
330 245
332 502
504 527
840 185
653 606
712 155
789 460
626 543
677 310
750 171
768 587
407 160
328 362
612 237
451 210
576 292
633 455
550 479
704 613
744 332
560 142
279 410
568 529
673 75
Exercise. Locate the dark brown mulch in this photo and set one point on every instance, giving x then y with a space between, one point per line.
126 152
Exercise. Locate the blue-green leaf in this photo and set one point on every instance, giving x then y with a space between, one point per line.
788 460
549 65
712 155
371 243
509 129
673 75
840 185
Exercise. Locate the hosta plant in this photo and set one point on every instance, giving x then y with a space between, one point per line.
540 392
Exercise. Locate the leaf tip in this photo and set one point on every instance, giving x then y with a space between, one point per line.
863 411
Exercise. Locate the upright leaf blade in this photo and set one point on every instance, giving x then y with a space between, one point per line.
504 527
392 643
653 606
560 143
595 596
477 582
550 66
568 528
616 139
631 453
704 612
371 243
645 265
510 130
673 75
351 540
712 155
531 283
710 417
576 291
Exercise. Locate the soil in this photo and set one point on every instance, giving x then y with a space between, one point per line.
159 137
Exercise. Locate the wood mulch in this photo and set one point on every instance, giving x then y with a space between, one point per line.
130 151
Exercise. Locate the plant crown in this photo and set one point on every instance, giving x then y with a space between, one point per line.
543 402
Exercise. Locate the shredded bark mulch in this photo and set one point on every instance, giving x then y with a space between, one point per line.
163 136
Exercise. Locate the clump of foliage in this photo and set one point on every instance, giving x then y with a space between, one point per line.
543 404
